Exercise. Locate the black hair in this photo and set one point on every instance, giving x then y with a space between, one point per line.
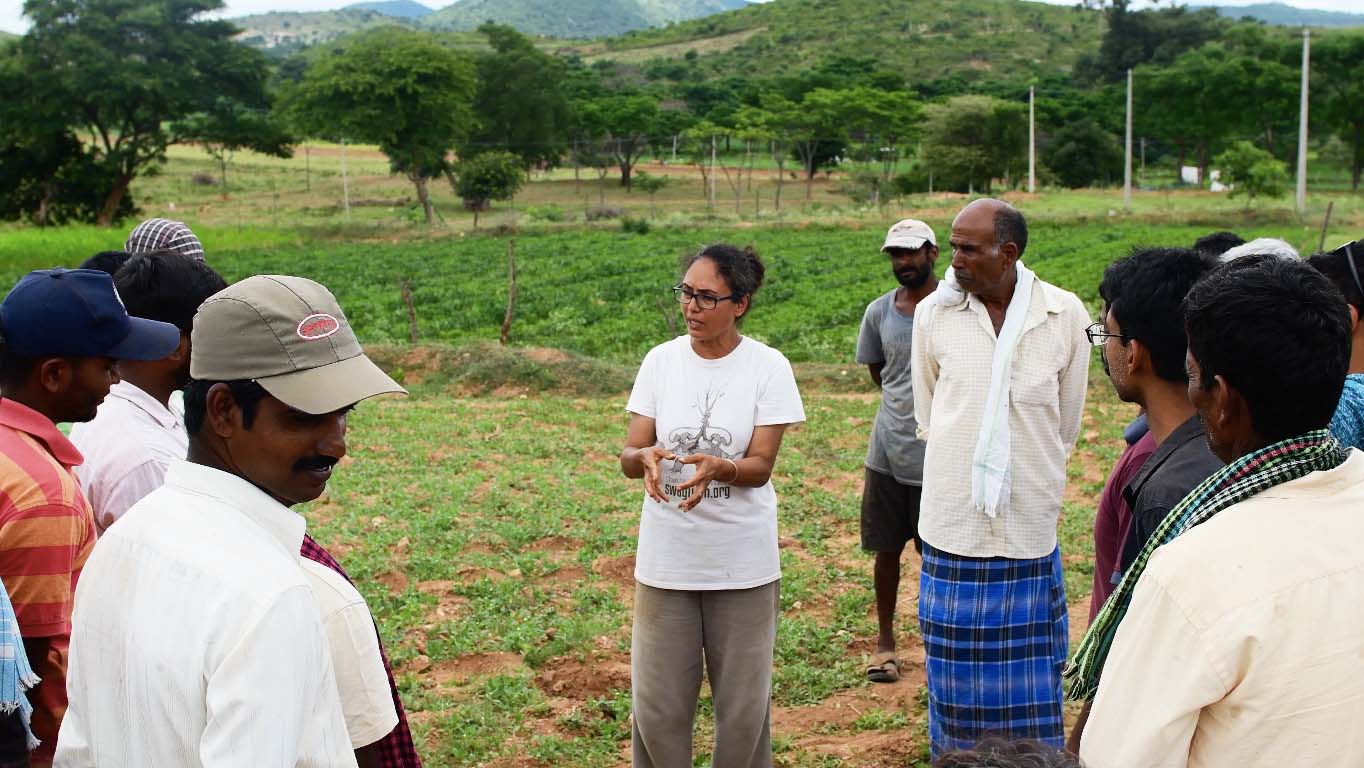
15 369
996 752
166 286
1145 292
1279 332
740 267
248 395
1336 266
107 261
1218 243
1011 227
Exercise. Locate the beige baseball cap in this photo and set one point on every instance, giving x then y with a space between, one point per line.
289 335
909 234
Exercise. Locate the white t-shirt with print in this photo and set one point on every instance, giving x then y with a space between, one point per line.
729 539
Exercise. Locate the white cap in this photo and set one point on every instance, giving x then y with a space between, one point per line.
1261 246
909 234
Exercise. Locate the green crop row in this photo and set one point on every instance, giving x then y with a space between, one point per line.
605 293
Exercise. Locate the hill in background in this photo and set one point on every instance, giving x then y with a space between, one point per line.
575 18
1287 15
403 9
924 39
284 31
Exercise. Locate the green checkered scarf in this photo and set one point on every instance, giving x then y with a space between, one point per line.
1247 476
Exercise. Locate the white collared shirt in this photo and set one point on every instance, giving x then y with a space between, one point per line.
197 639
361 680
127 448
1244 642
952 353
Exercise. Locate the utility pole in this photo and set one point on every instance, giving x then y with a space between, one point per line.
1032 139
345 181
1127 150
1302 123
712 170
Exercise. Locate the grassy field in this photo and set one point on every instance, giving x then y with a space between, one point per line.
485 518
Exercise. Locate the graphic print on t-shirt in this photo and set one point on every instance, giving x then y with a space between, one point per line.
704 439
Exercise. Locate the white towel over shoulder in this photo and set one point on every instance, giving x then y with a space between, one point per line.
990 462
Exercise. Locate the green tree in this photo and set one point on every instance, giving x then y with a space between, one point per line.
1083 154
396 88
1338 90
489 176
651 185
1184 105
623 125
970 141
1156 36
128 70
229 126
1253 171
521 103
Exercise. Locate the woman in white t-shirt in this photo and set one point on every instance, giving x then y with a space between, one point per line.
707 415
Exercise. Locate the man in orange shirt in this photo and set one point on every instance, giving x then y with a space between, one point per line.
62 332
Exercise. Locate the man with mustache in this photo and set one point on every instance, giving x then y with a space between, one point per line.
200 637
895 456
1000 367
63 330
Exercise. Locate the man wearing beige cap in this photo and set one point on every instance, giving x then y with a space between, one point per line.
198 637
895 457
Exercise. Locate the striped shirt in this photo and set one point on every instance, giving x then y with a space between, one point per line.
46 526
46 533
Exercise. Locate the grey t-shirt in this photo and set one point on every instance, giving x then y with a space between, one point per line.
885 338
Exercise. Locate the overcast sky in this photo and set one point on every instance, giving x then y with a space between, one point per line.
11 16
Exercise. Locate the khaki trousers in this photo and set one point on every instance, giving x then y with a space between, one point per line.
734 631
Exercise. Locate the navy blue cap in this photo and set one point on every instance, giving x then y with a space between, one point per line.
77 313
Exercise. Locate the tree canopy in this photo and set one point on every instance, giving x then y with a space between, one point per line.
399 89
128 74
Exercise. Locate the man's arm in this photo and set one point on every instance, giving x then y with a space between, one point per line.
127 490
875 370
1074 377
272 700
923 368
1159 676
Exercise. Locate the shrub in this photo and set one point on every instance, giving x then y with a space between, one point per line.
637 226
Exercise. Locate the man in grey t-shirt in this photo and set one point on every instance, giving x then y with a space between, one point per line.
895 458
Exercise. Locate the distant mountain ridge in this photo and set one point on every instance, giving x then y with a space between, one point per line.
1288 16
575 18
282 31
402 9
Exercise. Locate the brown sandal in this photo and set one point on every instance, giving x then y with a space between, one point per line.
884 668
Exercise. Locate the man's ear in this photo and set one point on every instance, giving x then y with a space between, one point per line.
1230 411
1138 357
55 374
1354 317
222 415
1009 252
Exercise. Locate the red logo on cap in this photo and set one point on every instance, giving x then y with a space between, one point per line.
319 326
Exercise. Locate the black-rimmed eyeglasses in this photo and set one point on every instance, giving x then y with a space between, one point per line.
685 295
1097 335
1347 251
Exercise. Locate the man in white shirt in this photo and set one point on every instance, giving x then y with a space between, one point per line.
198 639
136 435
1242 640
1000 364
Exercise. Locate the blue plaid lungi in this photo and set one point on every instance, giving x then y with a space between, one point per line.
995 633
